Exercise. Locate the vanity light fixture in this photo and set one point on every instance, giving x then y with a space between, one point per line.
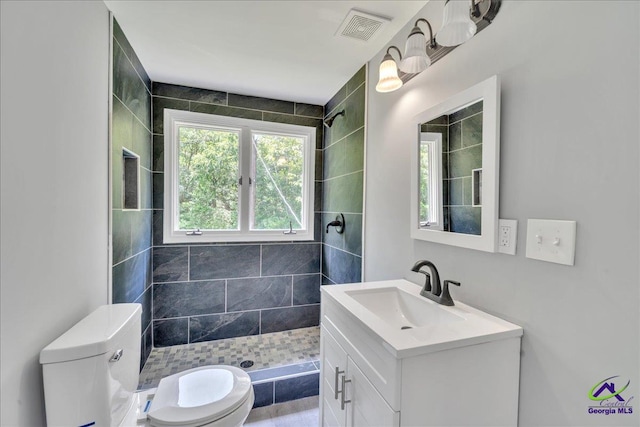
457 26
389 80
462 20
416 59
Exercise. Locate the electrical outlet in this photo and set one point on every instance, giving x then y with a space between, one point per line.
508 236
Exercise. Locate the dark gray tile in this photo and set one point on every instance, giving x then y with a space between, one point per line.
292 120
170 332
466 112
129 88
121 236
455 136
358 78
224 262
353 233
344 194
188 299
261 292
317 227
442 120
335 101
263 394
462 162
220 326
465 219
145 301
318 165
141 144
472 130
122 40
297 387
158 190
158 217
282 319
170 264
317 196
159 104
140 230
190 93
282 371
467 191
306 289
131 277
334 160
146 345
222 110
158 153
290 259
263 104
340 266
146 189
309 110
354 152
353 118
456 191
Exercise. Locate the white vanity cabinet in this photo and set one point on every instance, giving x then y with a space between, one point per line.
348 398
372 379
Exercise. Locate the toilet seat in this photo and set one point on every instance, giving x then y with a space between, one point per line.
199 396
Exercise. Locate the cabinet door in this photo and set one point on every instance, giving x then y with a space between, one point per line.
367 407
332 357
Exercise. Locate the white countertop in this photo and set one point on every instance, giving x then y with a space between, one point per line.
475 327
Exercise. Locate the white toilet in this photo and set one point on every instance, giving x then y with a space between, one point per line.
91 374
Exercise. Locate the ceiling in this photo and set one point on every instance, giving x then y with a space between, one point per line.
275 49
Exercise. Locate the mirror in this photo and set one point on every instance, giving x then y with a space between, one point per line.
454 169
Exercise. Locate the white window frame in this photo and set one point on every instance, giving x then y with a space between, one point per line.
433 141
173 119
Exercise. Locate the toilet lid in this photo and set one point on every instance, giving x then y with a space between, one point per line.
199 396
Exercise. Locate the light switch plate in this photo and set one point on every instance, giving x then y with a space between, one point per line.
551 240
507 236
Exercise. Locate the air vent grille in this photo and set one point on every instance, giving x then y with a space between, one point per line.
361 25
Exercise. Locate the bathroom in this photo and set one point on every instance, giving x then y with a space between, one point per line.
570 84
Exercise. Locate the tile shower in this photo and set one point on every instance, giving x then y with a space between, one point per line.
201 294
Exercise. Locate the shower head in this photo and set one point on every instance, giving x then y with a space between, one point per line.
328 122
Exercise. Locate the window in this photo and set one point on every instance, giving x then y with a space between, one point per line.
430 176
229 179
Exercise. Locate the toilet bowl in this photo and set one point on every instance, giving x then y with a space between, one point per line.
91 373
205 396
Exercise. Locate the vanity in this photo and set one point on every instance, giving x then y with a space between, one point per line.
391 357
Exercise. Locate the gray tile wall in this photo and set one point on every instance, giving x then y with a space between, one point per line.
131 229
216 291
343 182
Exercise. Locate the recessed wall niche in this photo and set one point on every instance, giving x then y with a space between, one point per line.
130 180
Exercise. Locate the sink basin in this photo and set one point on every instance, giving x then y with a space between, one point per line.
409 324
401 309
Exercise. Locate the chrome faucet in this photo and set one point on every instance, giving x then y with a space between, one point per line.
432 288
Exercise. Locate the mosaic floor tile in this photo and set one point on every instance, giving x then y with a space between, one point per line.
266 351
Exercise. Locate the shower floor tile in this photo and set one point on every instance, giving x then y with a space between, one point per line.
266 351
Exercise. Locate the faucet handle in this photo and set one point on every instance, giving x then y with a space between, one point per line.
445 297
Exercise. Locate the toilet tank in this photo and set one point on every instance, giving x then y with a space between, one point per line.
91 372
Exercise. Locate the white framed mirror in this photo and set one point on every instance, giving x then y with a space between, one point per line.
455 159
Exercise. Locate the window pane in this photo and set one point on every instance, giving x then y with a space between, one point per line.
278 190
207 184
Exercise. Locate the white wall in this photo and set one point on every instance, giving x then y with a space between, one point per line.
570 137
54 185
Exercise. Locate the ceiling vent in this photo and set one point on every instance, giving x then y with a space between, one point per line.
361 25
